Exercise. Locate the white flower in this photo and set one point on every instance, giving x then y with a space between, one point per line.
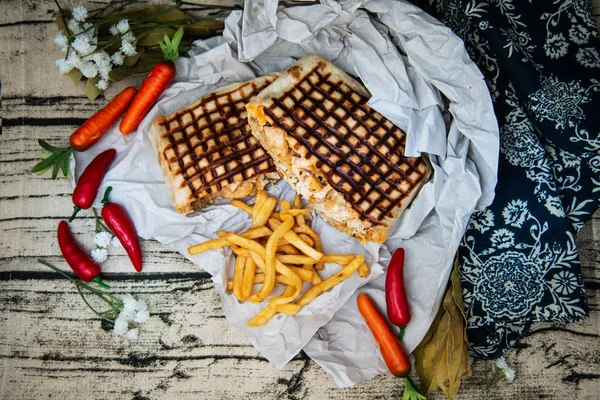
127 48
99 255
132 334
116 242
61 40
509 373
74 60
588 57
501 363
88 69
141 316
129 302
503 238
121 326
117 58
64 67
102 239
129 37
556 46
79 13
102 84
74 26
114 30
141 305
82 45
123 26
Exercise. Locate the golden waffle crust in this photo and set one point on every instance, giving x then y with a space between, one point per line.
343 157
206 150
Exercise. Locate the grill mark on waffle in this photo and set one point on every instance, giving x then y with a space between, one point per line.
394 175
227 139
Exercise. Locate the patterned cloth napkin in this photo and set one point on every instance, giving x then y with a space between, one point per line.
518 260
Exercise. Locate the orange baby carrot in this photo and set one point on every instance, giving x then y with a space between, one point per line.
392 351
155 83
92 130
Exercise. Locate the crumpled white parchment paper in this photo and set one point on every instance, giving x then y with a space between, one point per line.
407 88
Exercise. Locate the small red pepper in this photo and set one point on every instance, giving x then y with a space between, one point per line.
398 310
87 187
82 264
120 224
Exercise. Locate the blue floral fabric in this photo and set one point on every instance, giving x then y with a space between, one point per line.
518 259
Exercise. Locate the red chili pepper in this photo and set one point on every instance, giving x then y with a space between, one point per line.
120 224
82 264
87 187
398 310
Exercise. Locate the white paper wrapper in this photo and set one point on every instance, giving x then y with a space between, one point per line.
406 89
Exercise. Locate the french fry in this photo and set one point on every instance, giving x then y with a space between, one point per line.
294 212
260 250
218 243
252 233
300 244
269 311
307 239
260 278
265 211
229 286
304 274
289 309
295 259
298 204
287 249
316 277
248 278
318 245
240 251
330 282
363 270
261 197
238 277
270 250
341 259
243 206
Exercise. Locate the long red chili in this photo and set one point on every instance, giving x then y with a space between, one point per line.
398 310
87 187
120 224
82 264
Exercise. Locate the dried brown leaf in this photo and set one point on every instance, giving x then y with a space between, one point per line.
442 357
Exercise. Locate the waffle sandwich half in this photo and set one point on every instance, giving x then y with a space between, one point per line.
343 157
206 150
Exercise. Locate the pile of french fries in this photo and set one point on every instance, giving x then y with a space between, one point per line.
279 248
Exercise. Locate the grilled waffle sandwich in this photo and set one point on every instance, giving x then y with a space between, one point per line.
206 150
343 157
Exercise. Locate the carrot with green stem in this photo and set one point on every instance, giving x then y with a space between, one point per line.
155 83
392 351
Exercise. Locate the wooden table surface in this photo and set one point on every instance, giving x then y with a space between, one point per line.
51 346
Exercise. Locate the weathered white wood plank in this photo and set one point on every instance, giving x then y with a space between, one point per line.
50 344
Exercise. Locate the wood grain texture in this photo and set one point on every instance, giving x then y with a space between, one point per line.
51 346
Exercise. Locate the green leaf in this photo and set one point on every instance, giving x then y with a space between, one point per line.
75 75
44 164
177 38
131 60
48 147
91 91
155 36
55 170
204 29
144 65
148 12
